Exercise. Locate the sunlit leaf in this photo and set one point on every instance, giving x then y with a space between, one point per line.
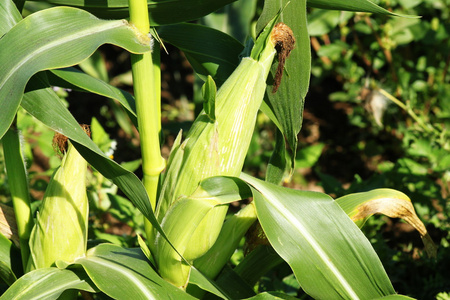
126 274
73 78
9 16
71 35
394 204
47 283
287 103
330 256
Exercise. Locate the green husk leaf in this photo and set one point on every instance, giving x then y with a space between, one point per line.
209 97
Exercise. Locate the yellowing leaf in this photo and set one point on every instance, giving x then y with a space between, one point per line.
394 204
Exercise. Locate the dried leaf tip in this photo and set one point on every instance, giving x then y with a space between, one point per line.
283 38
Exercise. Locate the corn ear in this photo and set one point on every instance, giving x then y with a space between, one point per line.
216 145
60 232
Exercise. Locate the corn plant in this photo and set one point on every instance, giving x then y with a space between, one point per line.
188 239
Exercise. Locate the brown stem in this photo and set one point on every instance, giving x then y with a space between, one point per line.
447 64
316 46
364 58
387 52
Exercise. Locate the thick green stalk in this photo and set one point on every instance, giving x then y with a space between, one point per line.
146 92
17 179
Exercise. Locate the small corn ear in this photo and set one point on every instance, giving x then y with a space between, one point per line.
60 232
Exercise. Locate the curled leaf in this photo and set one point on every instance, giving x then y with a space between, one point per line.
394 204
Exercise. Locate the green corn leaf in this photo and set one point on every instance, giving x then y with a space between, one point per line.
218 59
287 103
257 263
197 278
9 258
9 15
279 161
311 232
355 5
71 35
75 79
395 297
271 296
126 274
234 19
233 284
48 283
394 204
160 12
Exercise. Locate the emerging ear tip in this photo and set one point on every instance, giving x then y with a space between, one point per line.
283 36
283 39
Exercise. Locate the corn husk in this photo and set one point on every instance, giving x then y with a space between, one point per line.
60 232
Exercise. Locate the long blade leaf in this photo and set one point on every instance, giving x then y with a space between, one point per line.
288 102
126 274
9 16
71 35
88 83
311 232
354 5
160 12
47 283
209 51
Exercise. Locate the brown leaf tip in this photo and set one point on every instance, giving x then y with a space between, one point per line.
283 38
